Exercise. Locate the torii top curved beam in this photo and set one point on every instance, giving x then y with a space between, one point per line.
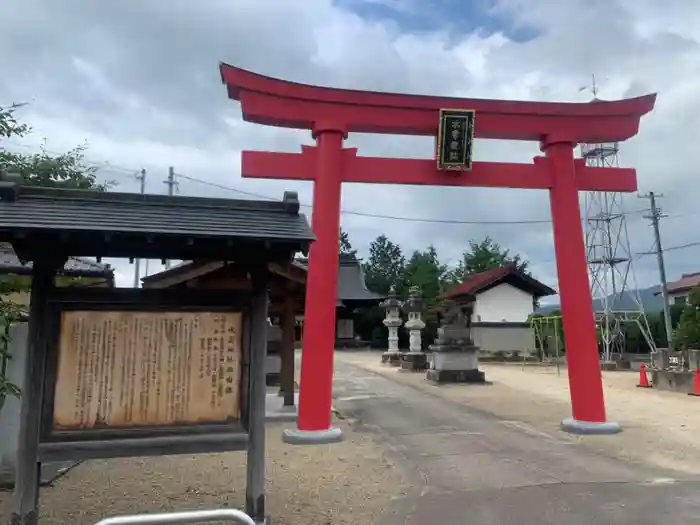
274 102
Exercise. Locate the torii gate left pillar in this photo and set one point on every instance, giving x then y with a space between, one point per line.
331 113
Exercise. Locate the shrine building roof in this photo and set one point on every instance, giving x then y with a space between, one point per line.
477 283
351 282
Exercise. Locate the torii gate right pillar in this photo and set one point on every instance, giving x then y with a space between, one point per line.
585 386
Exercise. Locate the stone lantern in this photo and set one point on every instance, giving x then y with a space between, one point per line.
415 359
392 321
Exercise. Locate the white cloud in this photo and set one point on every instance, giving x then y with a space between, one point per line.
140 83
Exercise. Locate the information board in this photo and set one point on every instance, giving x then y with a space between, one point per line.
119 369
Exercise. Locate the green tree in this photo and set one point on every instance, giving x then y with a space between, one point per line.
688 331
345 245
67 170
384 267
10 126
425 271
485 255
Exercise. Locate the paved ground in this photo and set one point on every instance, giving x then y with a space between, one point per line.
660 428
467 466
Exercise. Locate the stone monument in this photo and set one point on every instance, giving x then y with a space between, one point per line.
455 358
392 321
415 359
673 370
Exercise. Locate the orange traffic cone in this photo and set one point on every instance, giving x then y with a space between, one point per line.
643 381
696 384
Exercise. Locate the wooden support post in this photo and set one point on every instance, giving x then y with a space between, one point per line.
287 350
255 464
25 499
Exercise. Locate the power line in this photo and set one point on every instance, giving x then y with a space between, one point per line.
362 214
683 246
381 216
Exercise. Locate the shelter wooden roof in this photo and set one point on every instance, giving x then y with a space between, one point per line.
110 224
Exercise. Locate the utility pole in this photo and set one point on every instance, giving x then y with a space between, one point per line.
654 217
141 176
172 183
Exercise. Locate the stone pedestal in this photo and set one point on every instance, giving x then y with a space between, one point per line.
391 357
672 380
609 365
414 361
456 366
456 376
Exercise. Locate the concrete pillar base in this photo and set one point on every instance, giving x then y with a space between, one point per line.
414 362
391 358
587 428
294 436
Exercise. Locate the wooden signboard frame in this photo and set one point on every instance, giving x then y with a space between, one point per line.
109 440
461 123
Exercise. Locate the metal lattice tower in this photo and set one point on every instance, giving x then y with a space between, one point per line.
612 279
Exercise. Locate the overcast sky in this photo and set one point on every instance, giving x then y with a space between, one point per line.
139 81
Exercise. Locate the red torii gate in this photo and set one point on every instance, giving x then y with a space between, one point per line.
331 114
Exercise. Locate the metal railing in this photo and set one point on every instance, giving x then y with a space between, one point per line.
172 518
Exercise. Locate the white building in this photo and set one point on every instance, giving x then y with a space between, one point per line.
504 298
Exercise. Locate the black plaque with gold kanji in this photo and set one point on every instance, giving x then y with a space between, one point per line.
455 139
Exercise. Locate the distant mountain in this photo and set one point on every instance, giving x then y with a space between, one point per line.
650 302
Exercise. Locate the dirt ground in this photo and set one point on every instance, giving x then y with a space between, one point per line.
659 428
340 484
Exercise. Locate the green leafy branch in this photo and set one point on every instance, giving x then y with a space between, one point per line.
67 170
10 313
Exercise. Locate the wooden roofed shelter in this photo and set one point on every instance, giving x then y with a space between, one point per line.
150 393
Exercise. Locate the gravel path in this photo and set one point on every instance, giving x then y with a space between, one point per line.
659 428
341 484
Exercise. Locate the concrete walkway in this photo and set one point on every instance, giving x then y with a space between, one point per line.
468 466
